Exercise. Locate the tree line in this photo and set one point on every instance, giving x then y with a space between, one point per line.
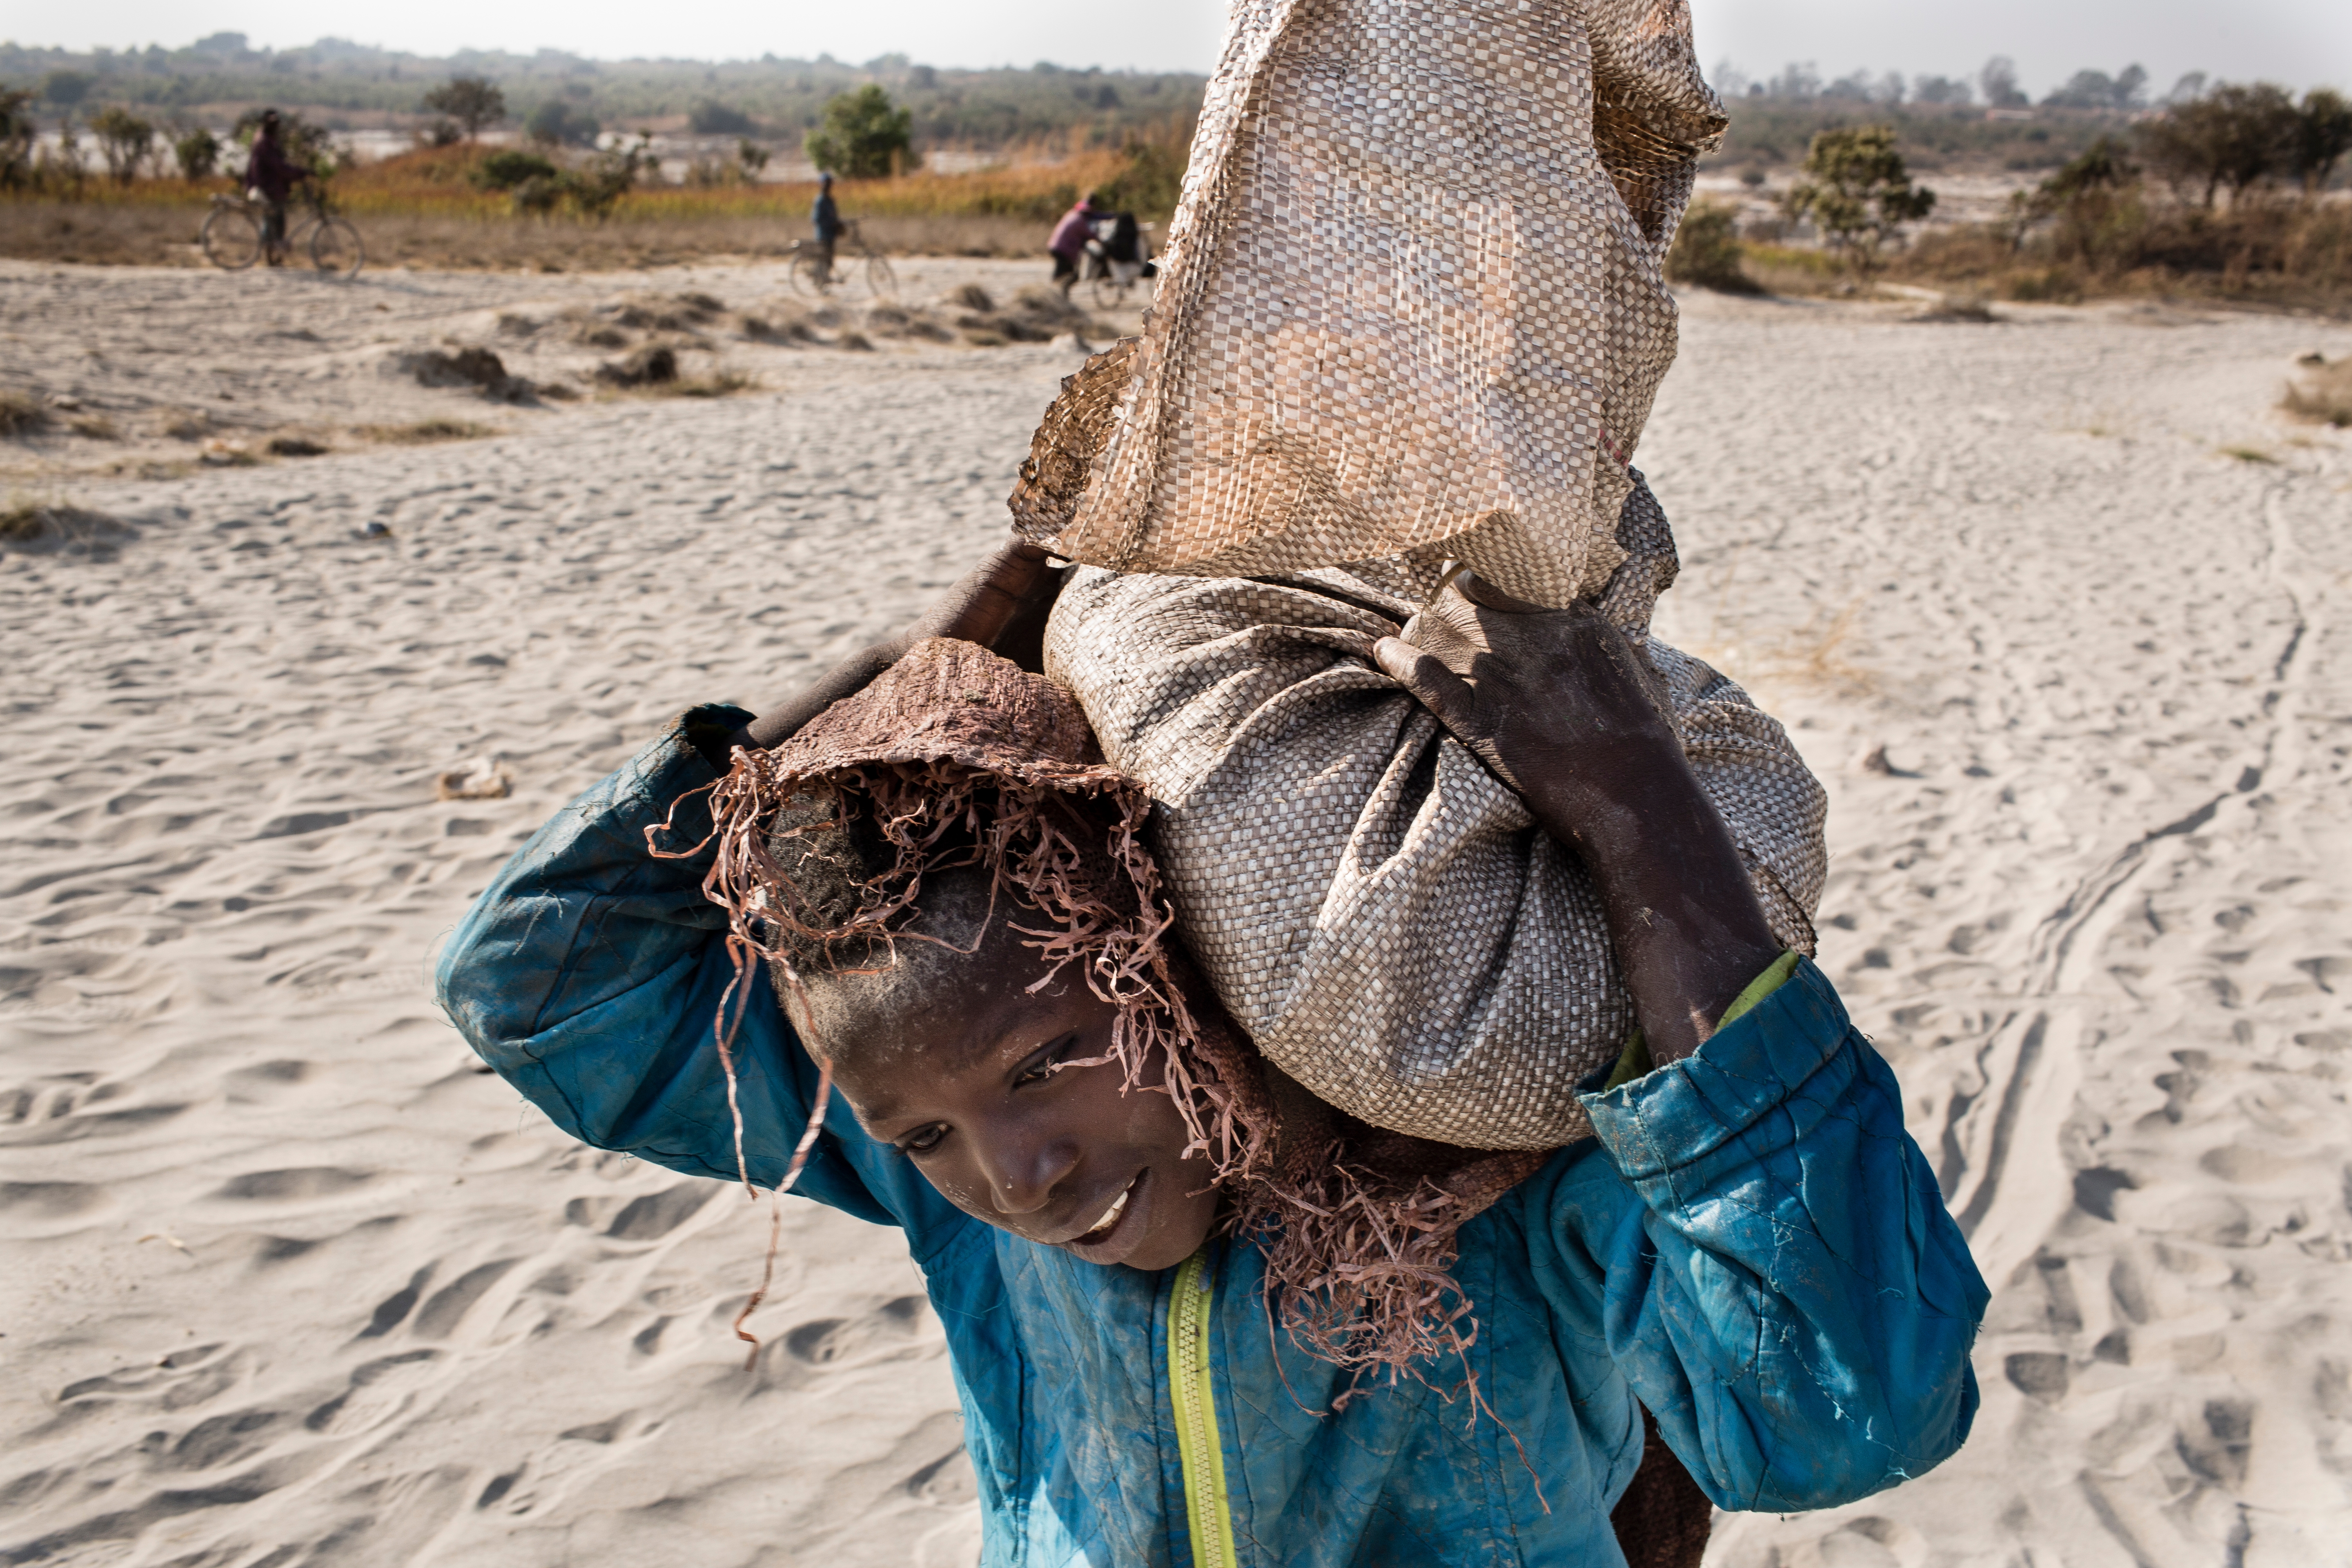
770 98
1994 85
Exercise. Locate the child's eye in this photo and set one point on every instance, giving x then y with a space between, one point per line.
925 1140
1040 1067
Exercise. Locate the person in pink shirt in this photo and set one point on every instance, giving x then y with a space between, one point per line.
1069 242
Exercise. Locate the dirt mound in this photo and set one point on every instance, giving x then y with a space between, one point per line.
647 367
478 368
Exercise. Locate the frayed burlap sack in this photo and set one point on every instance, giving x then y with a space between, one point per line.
1373 906
1412 300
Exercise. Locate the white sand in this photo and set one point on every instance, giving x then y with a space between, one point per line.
288 1282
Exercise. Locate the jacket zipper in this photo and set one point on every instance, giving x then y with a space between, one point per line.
1205 1507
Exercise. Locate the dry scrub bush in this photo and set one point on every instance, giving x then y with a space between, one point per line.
2325 396
1036 315
50 526
2124 240
718 383
21 414
1793 270
1705 251
424 431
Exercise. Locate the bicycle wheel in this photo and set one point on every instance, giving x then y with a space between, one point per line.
1109 293
806 272
335 248
232 238
880 282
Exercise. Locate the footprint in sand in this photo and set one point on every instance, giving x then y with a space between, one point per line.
946 1481
29 1209
305 1184
379 1391
831 1340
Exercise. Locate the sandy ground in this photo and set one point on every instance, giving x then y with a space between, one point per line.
191 368
288 1282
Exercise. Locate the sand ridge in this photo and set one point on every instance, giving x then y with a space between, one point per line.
292 1282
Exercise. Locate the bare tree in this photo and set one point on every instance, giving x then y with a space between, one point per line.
1998 81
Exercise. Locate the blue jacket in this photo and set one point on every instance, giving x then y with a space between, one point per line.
1753 1248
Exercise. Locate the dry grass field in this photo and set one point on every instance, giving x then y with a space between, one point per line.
426 209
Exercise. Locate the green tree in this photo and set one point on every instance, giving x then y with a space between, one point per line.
2095 203
198 153
16 132
65 89
556 123
1857 192
59 170
473 102
713 119
124 141
862 137
508 168
2238 136
2323 135
595 190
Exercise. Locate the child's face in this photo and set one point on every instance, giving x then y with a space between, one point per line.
956 1071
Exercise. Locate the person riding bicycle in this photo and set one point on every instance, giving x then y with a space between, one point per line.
1118 250
1068 245
271 175
827 219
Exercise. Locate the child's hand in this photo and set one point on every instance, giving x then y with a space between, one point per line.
1557 702
1560 705
1000 602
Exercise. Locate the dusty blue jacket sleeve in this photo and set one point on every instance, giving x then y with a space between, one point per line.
589 974
1778 1278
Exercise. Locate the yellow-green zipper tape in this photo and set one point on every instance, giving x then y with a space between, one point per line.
1205 1508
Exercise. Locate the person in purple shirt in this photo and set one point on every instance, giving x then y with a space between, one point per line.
1069 242
272 175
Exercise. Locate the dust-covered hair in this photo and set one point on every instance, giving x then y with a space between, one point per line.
956 773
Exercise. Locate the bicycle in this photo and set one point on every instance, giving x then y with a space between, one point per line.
804 264
232 235
1118 259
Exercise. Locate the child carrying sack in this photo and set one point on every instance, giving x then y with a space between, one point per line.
1375 909
1412 300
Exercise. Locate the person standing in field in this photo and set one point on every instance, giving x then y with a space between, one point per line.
827 219
272 175
1068 245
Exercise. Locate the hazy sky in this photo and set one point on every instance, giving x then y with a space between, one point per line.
2300 42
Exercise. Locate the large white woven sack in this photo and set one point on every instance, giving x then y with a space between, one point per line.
1373 906
1412 300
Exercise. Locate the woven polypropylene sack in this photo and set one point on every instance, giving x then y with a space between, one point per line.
1373 906
1412 300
